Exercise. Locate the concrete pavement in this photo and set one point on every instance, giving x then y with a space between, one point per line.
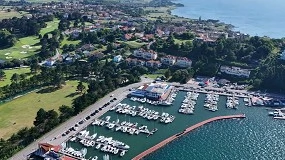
49 137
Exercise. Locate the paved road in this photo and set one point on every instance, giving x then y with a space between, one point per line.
57 132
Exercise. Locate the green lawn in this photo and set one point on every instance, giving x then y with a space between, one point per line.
27 46
65 41
9 74
134 44
50 27
6 15
153 76
179 41
21 112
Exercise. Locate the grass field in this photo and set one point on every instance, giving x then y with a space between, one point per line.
65 41
153 76
9 74
6 15
26 46
180 41
21 112
164 13
50 27
134 44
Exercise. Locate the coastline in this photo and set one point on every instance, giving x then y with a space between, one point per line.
174 7
180 134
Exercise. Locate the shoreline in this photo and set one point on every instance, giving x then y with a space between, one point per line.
231 27
184 132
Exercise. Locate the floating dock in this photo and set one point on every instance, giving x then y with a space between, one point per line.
176 136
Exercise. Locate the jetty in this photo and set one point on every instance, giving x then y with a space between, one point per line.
187 130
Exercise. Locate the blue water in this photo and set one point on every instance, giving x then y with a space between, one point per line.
254 17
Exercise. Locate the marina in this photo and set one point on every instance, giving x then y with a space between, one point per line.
134 121
139 119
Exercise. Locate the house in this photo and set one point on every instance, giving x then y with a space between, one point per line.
131 61
153 64
97 55
168 60
87 47
148 55
236 71
179 30
49 63
183 62
117 58
128 37
140 62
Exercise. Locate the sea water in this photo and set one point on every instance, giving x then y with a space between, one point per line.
254 17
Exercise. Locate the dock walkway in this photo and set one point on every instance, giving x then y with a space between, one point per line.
176 136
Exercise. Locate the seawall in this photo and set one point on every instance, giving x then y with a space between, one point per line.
187 130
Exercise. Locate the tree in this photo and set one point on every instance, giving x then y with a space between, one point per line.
167 73
15 77
41 117
80 87
23 76
2 74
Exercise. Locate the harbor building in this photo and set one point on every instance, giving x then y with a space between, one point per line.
153 91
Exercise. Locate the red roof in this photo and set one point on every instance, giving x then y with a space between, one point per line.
48 147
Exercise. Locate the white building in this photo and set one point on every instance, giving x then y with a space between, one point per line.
117 58
183 62
282 55
235 71
148 55
168 60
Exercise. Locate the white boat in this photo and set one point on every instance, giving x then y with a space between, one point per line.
73 139
98 146
93 136
95 158
122 153
107 118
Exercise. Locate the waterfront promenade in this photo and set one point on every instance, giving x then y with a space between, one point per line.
176 136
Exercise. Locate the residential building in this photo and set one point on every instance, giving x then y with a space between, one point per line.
168 60
235 71
183 62
117 58
148 55
153 64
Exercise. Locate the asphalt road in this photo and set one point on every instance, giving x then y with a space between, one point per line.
57 132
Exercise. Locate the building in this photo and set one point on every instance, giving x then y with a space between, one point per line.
148 55
153 64
168 60
236 71
183 62
153 91
117 58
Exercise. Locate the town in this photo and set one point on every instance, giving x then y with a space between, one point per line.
90 62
